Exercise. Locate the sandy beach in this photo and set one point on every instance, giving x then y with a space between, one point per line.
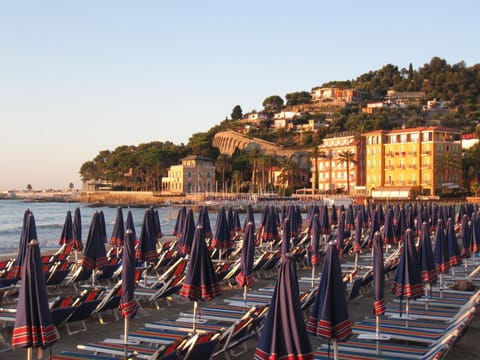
467 348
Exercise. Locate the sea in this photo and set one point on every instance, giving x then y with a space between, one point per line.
50 217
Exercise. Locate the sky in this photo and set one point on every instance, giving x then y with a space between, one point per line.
79 77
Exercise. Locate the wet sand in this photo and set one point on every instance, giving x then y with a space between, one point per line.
467 348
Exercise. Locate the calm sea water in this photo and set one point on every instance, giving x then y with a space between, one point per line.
50 217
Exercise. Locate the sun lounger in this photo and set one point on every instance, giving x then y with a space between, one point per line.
72 355
117 348
156 337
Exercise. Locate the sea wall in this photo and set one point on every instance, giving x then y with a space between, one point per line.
135 198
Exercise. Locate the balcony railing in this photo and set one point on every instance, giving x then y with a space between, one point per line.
426 153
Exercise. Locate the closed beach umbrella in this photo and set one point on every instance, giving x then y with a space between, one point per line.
147 244
440 253
222 235
67 231
428 272
341 233
315 242
200 280
286 236
245 277
388 229
249 217
34 327
204 222
475 230
184 242
407 283
128 304
118 232
357 239
29 232
103 226
466 237
129 224
329 317
77 231
452 244
182 213
378 276
95 254
157 225
284 335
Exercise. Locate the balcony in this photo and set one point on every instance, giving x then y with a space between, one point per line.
426 166
401 167
412 182
426 182
389 154
412 166
389 167
412 153
426 153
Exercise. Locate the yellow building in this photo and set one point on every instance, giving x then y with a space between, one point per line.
194 174
403 163
334 174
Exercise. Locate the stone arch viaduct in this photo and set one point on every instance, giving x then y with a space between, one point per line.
228 141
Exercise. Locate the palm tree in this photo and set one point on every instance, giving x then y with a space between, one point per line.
447 164
255 152
289 173
223 165
347 157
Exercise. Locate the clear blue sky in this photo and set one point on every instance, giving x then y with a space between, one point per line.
78 77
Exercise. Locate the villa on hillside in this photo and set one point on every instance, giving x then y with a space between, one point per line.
195 174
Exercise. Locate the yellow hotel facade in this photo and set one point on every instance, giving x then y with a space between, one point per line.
403 163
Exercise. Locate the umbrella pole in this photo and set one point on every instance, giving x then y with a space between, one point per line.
30 353
356 260
93 278
407 306
245 290
125 336
377 331
313 274
335 349
441 285
194 316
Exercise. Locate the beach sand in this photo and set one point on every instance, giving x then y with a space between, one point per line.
467 348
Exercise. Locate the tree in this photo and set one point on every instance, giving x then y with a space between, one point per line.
29 188
255 151
347 157
447 164
272 104
298 98
71 186
223 165
237 113
288 173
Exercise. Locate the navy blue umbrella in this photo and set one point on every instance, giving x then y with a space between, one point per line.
128 304
67 231
407 283
341 233
118 232
452 244
182 213
103 226
222 235
28 233
204 222
34 327
77 231
428 272
249 217
440 253
389 229
315 242
286 236
157 225
284 335
329 317
95 254
245 277
147 243
378 275
187 232
200 280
